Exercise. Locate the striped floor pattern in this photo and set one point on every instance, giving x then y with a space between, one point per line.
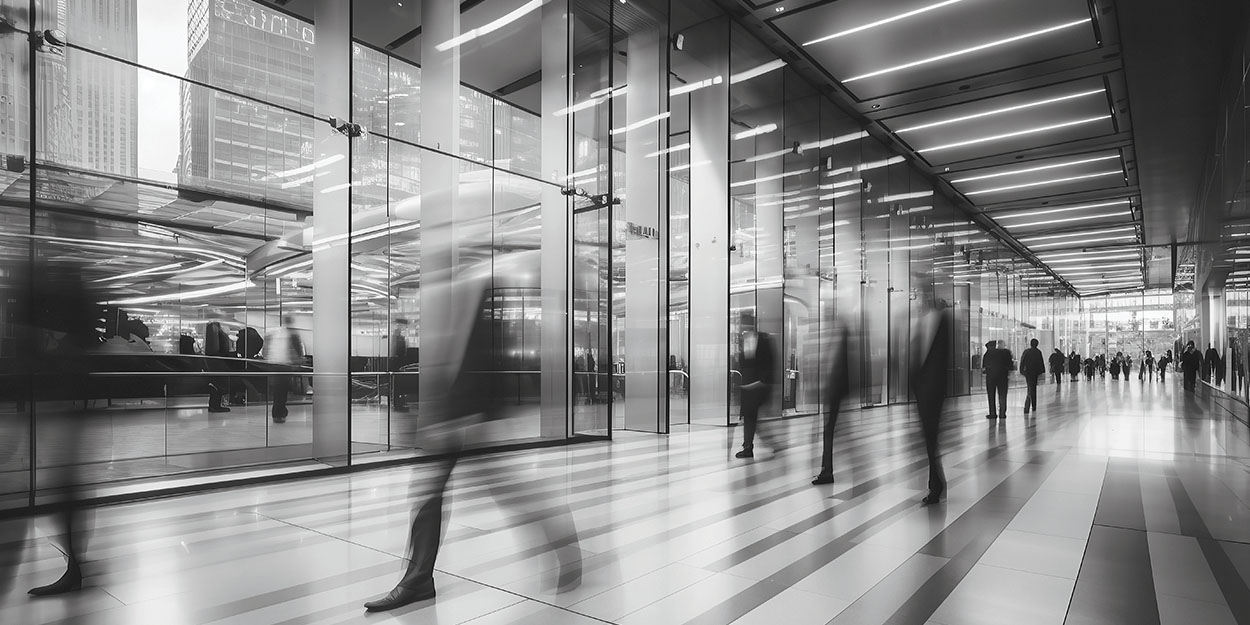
1123 502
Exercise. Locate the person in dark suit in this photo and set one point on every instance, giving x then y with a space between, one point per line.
756 367
1032 367
837 391
1191 362
1213 365
1074 365
996 364
216 345
1057 362
930 364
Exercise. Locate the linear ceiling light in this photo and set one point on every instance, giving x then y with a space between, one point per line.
1048 222
1087 257
1082 233
1048 258
1009 109
905 196
1032 212
978 48
640 123
142 272
1042 183
1018 133
758 130
491 27
676 148
797 172
1034 169
184 295
881 22
695 86
756 71
1082 241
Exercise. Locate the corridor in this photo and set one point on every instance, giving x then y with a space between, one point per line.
1118 502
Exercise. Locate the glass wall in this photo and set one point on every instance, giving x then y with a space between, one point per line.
228 218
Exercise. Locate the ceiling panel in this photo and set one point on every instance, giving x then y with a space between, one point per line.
881 48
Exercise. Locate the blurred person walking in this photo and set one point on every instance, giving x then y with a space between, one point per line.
1164 361
756 367
839 387
1191 363
286 350
1033 368
1074 365
930 362
1117 363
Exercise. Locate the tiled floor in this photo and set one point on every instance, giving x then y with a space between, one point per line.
1120 503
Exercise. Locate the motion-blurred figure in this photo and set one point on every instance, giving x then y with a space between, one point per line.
757 365
65 320
839 386
286 349
930 360
399 360
216 345
1033 368
464 357
1191 362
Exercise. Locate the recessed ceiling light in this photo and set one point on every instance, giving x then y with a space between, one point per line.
1017 133
1079 234
881 22
1042 183
1035 213
978 48
1008 109
1016 172
1082 241
1048 222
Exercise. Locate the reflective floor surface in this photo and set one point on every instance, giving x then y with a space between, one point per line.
1121 502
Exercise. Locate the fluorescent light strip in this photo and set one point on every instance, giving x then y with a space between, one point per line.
876 164
676 148
1067 220
1018 133
756 71
1035 213
758 130
1082 233
143 272
842 183
218 290
329 160
1085 257
486 29
1135 270
1047 257
978 48
1035 169
900 16
640 123
1041 183
695 86
787 174
1082 242
1009 109
905 196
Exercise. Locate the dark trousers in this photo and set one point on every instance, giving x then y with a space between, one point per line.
831 421
1191 380
995 385
1058 375
279 388
426 534
1030 398
751 400
930 410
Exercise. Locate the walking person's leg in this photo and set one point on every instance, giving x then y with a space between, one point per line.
1002 397
826 455
750 415
929 425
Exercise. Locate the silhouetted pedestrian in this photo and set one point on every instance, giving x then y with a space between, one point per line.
1032 367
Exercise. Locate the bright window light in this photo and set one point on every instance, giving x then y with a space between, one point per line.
1042 183
1018 133
1008 109
329 160
1032 212
743 183
758 130
185 295
143 272
978 48
1035 169
676 148
881 22
491 27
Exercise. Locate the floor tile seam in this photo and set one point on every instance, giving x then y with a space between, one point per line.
1234 589
1020 570
518 595
668 590
336 538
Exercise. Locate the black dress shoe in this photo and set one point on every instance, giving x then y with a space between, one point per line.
823 478
70 581
991 416
932 498
745 453
401 596
219 409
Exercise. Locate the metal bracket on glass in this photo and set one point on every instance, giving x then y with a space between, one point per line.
52 41
348 129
